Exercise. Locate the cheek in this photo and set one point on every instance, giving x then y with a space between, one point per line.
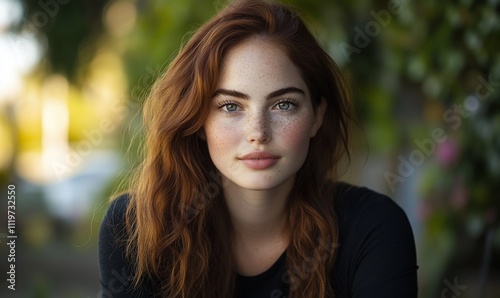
220 137
296 134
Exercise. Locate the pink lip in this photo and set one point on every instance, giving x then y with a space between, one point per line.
259 160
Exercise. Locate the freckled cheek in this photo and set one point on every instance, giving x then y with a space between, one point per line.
295 135
221 138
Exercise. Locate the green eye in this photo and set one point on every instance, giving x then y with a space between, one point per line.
284 105
228 107
231 107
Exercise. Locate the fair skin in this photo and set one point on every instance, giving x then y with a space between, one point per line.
258 133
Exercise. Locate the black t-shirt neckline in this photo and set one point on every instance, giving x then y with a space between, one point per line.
269 272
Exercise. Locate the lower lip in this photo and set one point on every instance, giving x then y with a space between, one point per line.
259 164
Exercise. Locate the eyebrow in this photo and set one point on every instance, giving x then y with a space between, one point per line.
273 94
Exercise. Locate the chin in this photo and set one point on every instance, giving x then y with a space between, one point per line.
262 183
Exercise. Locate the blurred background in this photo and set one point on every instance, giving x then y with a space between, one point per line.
425 77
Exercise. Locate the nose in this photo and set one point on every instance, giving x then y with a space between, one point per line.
258 127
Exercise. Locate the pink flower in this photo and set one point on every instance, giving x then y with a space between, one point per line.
447 152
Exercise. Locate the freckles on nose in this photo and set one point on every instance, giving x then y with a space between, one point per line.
258 127
257 121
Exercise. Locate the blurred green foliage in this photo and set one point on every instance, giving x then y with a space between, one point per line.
70 28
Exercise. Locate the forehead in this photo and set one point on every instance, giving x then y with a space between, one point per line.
258 63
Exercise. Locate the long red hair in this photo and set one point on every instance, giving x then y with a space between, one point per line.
177 220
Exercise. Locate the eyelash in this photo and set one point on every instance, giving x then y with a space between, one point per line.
224 103
291 101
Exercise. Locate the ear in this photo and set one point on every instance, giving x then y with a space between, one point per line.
319 114
201 134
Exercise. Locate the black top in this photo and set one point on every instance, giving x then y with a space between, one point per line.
376 256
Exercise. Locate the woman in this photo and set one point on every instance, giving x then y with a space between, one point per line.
237 195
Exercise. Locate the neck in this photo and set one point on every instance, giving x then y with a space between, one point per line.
257 215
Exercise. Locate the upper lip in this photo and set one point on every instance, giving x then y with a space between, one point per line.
259 155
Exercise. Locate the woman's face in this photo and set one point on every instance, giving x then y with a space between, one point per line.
261 118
